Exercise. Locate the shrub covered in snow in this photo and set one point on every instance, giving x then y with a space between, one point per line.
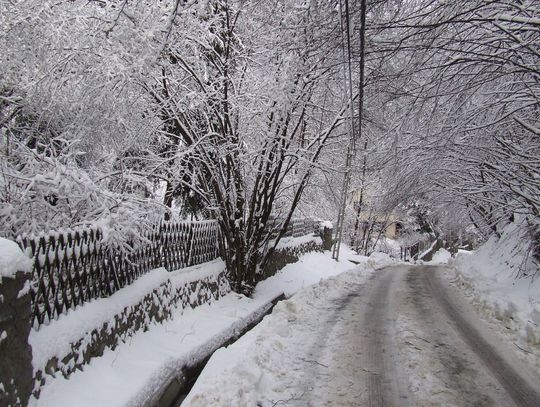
42 190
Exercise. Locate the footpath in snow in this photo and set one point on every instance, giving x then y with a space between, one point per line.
132 373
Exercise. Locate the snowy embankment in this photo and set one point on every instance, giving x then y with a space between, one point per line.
132 373
264 367
314 267
489 276
135 371
55 340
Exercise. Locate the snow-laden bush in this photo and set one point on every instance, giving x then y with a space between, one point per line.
43 190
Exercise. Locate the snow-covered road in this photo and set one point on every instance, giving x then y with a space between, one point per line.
450 356
399 337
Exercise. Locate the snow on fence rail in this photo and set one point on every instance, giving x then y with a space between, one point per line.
297 227
74 266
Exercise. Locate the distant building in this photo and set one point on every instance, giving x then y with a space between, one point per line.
372 217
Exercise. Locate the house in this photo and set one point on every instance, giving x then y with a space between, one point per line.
373 215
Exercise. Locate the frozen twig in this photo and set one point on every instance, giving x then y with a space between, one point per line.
525 350
313 361
293 398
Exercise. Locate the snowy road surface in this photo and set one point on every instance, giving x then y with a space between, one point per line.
399 337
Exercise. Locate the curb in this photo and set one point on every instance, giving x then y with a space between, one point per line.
176 387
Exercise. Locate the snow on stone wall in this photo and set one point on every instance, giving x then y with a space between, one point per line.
288 251
86 332
67 344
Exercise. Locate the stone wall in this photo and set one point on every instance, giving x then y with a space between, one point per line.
287 255
15 353
155 307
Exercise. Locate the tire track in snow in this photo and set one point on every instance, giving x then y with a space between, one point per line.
359 364
321 390
517 387
383 385
444 371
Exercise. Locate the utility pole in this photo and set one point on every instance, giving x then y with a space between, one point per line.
351 150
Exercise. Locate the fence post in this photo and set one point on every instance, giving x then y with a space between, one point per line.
326 230
15 322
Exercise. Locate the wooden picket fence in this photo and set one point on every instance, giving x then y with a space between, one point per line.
75 266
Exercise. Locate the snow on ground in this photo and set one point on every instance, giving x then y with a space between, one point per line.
265 366
310 269
131 374
271 365
489 277
390 246
54 339
12 259
378 260
441 256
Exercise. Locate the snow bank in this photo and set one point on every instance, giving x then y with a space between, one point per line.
55 339
132 373
441 256
12 259
489 277
379 259
310 269
262 367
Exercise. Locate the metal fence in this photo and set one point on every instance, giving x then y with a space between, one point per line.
75 266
